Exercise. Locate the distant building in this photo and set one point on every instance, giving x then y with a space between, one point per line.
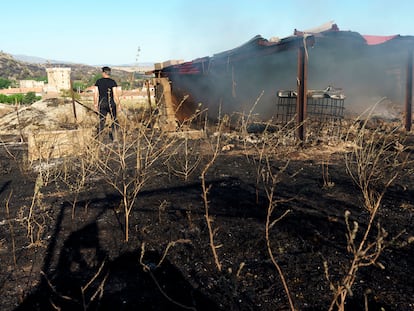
31 84
58 79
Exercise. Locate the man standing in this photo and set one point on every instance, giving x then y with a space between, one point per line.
105 100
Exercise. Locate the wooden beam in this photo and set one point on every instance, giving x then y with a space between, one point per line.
409 92
165 104
301 100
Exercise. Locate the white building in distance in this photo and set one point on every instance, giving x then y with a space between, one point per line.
58 79
31 84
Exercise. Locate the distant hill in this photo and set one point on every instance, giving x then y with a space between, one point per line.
21 67
40 60
141 67
13 69
35 59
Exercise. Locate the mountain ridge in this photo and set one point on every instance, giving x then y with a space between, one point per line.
41 60
23 67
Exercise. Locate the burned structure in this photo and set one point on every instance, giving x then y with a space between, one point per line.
256 74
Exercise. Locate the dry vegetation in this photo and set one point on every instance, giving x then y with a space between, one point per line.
232 220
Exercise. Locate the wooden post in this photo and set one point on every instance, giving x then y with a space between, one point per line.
147 84
165 105
409 92
301 99
73 100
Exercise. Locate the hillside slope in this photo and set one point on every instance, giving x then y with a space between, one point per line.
13 69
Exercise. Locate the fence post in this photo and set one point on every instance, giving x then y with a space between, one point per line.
409 92
302 92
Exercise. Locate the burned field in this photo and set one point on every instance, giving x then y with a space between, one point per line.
229 220
311 210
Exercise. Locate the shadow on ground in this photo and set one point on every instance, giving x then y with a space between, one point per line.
85 279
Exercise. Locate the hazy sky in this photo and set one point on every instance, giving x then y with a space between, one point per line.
109 32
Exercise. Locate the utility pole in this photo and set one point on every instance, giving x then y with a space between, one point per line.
136 67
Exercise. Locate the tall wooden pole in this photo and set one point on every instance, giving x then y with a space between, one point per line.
302 93
73 100
147 84
409 92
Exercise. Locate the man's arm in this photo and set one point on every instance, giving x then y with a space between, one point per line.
95 97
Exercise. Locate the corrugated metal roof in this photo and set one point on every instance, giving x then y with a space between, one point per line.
373 40
259 46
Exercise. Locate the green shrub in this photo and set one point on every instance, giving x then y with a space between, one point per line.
23 99
4 83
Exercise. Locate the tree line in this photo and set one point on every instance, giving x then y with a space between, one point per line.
24 99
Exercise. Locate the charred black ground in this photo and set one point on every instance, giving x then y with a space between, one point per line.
83 263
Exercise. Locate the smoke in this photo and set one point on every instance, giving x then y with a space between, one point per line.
365 73
234 82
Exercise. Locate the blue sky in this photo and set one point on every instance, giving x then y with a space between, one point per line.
109 32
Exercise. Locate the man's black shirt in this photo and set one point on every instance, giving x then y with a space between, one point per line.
105 86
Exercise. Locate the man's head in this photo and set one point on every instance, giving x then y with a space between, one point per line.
106 70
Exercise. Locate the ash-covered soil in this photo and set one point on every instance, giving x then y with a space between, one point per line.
74 256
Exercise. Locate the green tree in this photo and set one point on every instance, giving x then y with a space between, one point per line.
125 85
69 94
79 85
4 99
41 78
29 98
93 79
16 98
4 83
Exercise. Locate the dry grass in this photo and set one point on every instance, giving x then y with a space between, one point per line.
373 160
373 163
